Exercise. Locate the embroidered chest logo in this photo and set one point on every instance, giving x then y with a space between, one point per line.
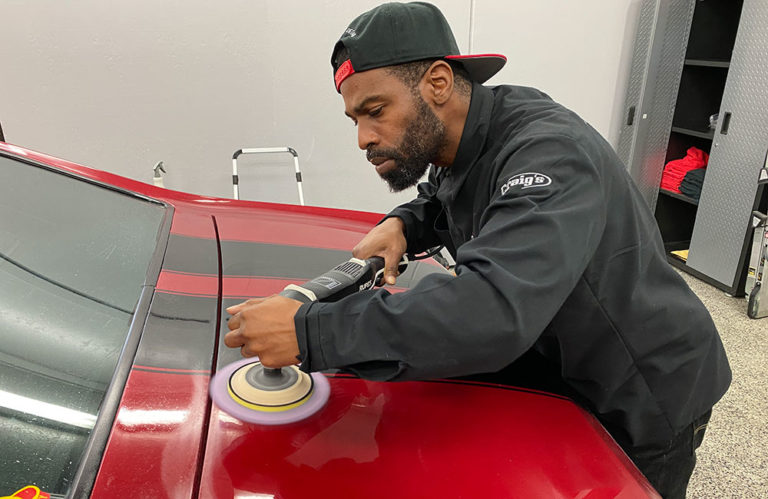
525 181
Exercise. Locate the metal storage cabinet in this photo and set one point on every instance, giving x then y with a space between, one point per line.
657 63
694 58
720 233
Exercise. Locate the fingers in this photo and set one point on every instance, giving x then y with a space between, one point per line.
246 352
237 308
386 240
264 327
234 308
359 251
392 258
387 236
233 339
233 323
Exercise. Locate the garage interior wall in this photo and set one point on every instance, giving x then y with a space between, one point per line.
121 85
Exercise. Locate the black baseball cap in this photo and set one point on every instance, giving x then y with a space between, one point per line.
396 33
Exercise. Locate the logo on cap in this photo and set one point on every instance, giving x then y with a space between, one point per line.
351 32
343 72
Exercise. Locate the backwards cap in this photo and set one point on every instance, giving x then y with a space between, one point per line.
396 33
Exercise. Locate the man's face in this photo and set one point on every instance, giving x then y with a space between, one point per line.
398 130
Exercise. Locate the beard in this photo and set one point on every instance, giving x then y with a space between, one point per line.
423 138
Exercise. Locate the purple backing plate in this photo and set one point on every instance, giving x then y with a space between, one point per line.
219 390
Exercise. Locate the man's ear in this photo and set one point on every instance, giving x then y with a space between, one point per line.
437 83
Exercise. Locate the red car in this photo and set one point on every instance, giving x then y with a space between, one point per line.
113 295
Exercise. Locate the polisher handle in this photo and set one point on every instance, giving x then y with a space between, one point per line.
352 276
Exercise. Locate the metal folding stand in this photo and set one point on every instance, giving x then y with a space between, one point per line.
266 150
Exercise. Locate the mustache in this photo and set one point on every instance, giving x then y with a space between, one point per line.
370 154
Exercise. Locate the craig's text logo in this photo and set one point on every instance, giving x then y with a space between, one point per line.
525 181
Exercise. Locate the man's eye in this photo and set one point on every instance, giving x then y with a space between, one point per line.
375 112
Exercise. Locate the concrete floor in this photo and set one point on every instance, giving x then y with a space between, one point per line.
733 460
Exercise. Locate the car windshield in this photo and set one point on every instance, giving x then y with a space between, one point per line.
74 257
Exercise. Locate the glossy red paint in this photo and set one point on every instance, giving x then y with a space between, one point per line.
193 222
421 439
410 439
153 450
291 229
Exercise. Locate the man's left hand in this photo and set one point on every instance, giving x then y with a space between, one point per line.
264 327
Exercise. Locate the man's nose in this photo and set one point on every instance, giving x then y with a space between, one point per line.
366 137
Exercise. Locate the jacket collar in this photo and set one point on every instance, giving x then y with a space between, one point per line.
473 137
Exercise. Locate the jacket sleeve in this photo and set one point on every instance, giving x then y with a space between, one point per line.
419 216
533 245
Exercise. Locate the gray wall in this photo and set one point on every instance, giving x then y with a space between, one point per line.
121 85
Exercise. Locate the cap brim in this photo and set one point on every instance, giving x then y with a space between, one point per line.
481 67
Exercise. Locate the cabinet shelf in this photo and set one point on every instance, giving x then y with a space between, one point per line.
702 134
707 63
699 97
681 197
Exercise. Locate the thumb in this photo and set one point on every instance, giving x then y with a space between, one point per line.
391 264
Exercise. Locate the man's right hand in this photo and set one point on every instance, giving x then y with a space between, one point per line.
386 240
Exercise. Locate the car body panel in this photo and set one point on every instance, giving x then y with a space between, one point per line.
411 439
419 439
161 424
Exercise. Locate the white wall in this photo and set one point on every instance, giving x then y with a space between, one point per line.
121 85
578 52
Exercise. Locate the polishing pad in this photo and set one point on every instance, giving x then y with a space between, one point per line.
253 393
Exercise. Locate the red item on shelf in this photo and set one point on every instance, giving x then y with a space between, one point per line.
675 170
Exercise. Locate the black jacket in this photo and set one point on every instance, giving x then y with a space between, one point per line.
555 250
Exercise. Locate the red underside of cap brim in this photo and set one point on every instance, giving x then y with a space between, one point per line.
479 66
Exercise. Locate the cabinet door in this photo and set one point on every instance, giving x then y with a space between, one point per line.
633 125
657 63
741 139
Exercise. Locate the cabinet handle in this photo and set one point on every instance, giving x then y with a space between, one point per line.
726 124
631 116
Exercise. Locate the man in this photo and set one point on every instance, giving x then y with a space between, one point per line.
556 251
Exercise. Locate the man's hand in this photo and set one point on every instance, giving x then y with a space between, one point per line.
386 240
265 327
